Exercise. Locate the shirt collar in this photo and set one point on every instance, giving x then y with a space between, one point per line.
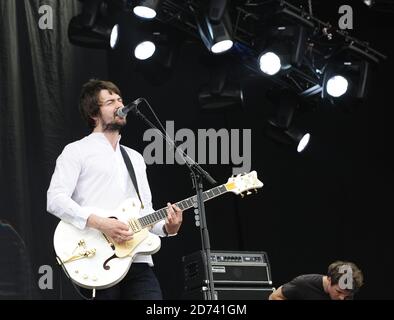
100 136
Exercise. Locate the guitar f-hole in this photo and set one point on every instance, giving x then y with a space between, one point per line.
105 264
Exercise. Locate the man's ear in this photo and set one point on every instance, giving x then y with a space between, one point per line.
95 119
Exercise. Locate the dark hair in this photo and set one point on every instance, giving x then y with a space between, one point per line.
335 273
89 103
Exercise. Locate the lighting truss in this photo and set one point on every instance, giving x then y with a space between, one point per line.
250 17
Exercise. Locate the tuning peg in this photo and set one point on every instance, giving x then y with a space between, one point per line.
256 191
242 195
248 193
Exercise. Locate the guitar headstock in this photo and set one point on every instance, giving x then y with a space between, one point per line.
244 182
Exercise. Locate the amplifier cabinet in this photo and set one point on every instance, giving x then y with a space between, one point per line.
229 268
230 293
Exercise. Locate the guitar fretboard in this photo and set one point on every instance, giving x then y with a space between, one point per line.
188 203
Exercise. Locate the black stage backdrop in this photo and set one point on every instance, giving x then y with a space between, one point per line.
331 202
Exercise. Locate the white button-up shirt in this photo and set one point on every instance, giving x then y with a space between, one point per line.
90 173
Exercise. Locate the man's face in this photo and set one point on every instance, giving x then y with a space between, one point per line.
107 120
336 293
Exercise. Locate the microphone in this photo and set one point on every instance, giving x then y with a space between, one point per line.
132 106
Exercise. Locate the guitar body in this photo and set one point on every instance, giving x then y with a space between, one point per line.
92 260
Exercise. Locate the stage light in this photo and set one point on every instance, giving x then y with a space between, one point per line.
143 39
144 50
279 126
215 27
297 138
145 43
303 142
346 79
270 63
337 86
288 136
144 12
222 46
154 49
94 27
215 36
369 3
114 37
282 48
100 36
146 9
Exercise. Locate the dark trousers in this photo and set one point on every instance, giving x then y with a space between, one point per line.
140 283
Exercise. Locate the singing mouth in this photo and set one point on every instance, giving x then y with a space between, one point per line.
117 117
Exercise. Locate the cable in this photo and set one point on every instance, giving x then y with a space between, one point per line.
60 262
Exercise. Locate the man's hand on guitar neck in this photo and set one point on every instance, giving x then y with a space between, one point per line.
113 228
173 220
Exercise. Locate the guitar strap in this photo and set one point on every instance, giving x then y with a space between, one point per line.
130 168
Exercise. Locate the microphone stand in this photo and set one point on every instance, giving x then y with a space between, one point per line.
198 174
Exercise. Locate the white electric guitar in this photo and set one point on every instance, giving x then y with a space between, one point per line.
94 261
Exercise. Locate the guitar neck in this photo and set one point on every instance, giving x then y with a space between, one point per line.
188 203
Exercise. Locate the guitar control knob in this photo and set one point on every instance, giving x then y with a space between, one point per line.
85 276
94 278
